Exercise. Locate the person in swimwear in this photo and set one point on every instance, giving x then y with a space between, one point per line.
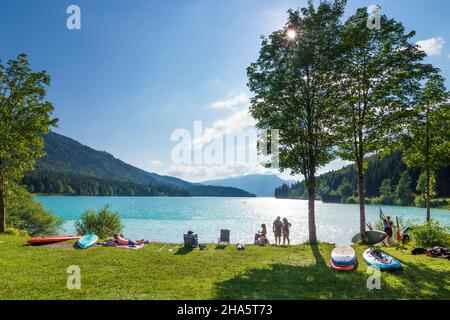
123 241
262 233
388 229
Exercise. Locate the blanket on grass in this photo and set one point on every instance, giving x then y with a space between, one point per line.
114 244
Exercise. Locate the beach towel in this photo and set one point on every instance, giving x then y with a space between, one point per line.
115 244
136 246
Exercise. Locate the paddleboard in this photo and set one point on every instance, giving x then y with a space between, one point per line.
344 268
343 255
372 237
51 239
87 241
385 262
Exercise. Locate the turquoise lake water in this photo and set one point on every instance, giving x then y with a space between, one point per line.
166 219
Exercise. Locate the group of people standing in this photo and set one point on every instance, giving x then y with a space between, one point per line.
280 229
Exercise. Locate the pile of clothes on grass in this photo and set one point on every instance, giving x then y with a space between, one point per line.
435 252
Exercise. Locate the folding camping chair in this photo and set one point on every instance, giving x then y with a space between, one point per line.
190 240
224 237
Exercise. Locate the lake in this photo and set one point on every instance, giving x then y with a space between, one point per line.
165 219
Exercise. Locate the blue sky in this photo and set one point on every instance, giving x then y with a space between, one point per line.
138 70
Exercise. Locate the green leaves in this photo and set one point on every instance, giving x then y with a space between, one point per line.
378 73
426 139
24 117
293 91
29 216
103 223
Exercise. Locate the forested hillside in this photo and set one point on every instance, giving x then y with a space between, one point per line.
71 168
379 169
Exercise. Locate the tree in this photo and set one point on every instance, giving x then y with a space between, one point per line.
386 193
379 71
25 116
426 142
104 223
69 190
345 189
403 192
292 87
426 186
59 187
28 215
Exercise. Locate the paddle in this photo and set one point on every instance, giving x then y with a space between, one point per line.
382 217
170 250
399 236
162 248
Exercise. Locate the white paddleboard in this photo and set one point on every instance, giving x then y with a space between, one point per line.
343 254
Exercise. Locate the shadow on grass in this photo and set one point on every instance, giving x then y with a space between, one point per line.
317 280
220 247
184 250
66 245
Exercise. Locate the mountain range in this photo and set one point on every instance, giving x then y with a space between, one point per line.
70 167
262 185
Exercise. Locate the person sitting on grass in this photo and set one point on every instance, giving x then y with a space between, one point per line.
123 241
261 235
286 226
277 228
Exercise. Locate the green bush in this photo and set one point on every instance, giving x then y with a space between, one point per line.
13 231
103 223
420 202
352 200
429 235
27 215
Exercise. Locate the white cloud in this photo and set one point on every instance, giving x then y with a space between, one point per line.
239 119
155 163
236 121
432 46
231 102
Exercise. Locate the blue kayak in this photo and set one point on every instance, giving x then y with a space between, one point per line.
381 260
87 241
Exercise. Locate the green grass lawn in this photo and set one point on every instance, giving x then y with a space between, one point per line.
297 272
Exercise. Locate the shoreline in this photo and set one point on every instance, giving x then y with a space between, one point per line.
238 197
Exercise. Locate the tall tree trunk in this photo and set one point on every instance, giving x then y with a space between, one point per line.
311 209
428 195
2 203
427 160
362 195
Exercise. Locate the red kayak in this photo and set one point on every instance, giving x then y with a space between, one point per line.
51 239
343 268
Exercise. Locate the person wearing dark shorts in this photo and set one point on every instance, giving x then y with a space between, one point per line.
286 226
388 228
277 230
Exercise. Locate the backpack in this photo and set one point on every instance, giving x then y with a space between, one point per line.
416 251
